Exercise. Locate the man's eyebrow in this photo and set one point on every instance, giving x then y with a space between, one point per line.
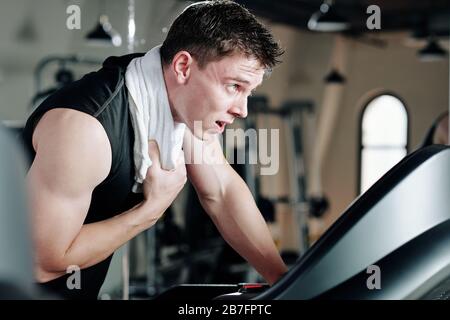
238 80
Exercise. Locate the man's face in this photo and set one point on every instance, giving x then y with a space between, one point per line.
217 94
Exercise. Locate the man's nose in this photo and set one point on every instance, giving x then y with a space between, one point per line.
239 110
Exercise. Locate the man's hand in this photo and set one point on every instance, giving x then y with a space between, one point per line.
162 186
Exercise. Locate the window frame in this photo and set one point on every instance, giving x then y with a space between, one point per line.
360 131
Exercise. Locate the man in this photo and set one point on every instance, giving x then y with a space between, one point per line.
85 141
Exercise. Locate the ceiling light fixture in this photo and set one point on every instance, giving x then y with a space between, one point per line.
334 77
432 52
327 20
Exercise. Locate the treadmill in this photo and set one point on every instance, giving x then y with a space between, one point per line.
401 225
16 273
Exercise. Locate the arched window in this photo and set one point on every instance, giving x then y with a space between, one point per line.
384 138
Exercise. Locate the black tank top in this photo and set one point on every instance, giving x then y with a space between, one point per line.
104 96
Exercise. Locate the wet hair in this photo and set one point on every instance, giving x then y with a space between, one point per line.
212 30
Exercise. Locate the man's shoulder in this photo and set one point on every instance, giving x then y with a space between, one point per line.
71 146
68 126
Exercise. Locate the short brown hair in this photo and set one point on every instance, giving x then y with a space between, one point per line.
211 30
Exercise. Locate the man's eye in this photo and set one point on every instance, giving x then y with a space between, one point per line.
234 87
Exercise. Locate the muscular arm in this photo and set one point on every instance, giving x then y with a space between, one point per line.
73 156
228 201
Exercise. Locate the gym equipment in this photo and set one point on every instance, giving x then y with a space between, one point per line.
401 225
62 76
291 113
318 206
428 140
16 274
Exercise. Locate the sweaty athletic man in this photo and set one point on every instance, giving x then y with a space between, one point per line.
85 159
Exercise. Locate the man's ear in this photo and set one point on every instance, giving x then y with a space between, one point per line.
181 66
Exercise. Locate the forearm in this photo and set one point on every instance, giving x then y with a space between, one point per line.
96 241
241 224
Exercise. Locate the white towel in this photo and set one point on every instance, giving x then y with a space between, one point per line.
151 116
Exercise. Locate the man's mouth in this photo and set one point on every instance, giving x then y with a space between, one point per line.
220 125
